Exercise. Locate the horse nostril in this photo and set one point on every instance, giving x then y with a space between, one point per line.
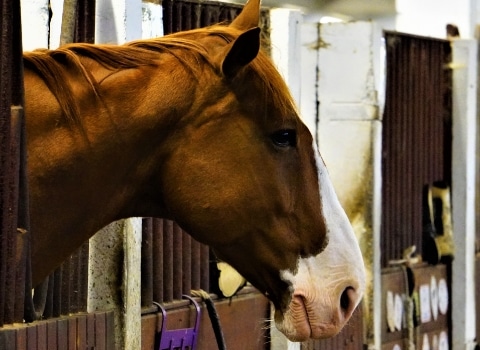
346 302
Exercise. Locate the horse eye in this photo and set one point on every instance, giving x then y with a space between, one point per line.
285 138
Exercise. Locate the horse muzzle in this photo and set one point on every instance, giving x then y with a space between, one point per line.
317 318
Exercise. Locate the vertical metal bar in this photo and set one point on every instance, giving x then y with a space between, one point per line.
85 22
147 263
186 16
57 292
47 310
186 262
23 230
167 6
196 15
12 215
65 286
167 260
177 261
204 267
83 277
195 269
177 16
13 168
5 135
158 258
75 282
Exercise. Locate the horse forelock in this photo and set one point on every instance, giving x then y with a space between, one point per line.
54 66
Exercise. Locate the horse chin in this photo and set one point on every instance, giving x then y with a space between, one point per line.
301 323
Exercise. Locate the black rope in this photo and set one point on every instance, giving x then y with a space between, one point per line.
214 319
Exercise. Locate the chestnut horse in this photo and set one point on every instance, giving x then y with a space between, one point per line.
200 128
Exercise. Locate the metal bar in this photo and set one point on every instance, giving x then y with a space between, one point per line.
195 266
158 259
186 263
147 263
167 260
85 22
177 262
11 94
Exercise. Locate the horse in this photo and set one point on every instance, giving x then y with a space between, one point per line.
197 127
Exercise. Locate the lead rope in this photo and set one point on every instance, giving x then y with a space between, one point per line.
212 313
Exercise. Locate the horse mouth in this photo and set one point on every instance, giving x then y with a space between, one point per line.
306 320
298 325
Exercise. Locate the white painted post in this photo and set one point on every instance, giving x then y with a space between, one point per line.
105 275
152 20
285 39
309 75
463 192
55 23
132 247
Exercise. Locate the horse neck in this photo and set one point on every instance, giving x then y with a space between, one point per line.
82 177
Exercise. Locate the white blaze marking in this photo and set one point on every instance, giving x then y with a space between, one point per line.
325 276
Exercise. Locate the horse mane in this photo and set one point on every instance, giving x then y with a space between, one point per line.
53 65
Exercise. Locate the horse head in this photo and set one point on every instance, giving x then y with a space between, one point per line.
258 192
198 127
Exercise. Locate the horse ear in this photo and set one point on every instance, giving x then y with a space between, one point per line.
249 17
241 52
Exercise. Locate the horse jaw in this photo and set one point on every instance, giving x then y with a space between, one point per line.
326 288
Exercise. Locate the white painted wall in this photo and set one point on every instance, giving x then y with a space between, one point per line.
429 17
34 24
285 38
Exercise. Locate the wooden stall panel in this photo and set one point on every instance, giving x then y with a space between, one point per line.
433 291
76 332
430 315
400 344
437 339
394 290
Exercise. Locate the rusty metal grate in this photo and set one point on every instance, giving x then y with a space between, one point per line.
416 140
173 263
